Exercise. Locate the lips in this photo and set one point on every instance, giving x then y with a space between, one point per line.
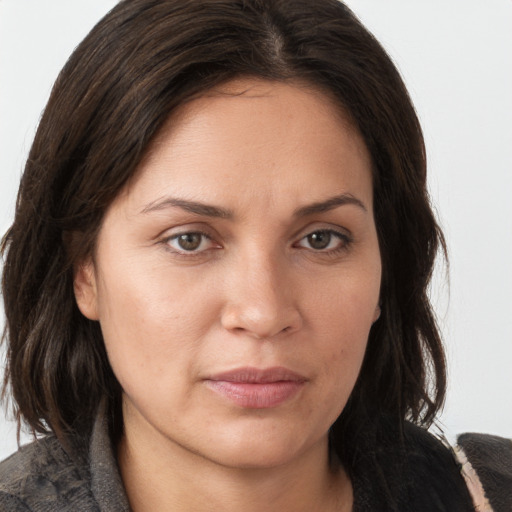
255 388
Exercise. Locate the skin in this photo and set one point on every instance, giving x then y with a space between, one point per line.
267 285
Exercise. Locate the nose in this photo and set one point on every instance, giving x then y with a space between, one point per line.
261 301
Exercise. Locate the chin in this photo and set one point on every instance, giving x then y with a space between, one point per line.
254 457
261 448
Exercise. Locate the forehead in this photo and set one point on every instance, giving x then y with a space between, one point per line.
274 137
238 94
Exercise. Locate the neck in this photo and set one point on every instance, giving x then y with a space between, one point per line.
163 476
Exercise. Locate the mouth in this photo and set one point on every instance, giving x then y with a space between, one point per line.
255 388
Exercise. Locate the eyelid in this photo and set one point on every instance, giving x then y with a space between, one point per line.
167 238
343 235
323 226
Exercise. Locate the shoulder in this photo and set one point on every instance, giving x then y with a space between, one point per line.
404 468
434 470
487 466
42 476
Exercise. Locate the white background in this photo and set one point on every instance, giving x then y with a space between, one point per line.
456 58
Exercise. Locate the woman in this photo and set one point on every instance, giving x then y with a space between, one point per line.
215 283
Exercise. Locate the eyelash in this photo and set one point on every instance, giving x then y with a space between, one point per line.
344 239
183 252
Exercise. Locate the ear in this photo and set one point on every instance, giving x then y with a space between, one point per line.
86 292
376 314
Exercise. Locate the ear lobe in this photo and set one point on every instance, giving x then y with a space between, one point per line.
84 286
376 314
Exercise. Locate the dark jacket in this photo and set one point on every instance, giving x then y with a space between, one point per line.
44 476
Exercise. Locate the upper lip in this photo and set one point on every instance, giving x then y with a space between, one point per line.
251 375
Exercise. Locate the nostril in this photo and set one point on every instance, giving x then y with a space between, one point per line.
263 320
256 333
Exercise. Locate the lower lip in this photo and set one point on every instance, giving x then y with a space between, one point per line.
256 395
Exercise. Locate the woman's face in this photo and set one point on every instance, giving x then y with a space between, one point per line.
237 277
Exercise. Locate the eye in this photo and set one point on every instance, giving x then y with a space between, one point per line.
190 242
325 240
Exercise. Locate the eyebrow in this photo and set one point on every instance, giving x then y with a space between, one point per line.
207 210
198 208
330 204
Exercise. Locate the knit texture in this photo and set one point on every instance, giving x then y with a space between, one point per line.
491 458
416 474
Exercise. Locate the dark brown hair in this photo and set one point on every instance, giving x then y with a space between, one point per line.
142 61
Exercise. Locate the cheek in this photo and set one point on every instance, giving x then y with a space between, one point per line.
152 323
343 317
344 308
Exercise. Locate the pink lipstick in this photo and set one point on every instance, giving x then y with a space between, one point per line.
255 388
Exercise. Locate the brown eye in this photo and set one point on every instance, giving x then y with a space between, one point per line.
189 241
192 241
325 240
319 239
